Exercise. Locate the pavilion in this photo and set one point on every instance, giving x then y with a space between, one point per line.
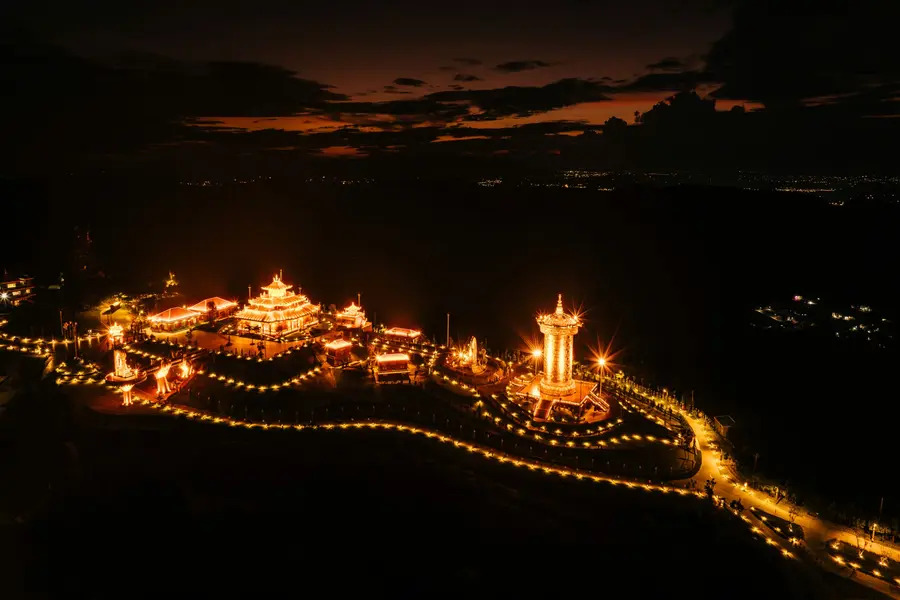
338 351
278 311
223 307
392 367
402 334
352 317
173 319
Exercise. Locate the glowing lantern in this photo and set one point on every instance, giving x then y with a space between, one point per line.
162 383
116 333
126 394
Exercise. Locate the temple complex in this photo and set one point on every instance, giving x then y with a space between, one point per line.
278 311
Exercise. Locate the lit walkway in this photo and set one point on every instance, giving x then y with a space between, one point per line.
209 340
817 531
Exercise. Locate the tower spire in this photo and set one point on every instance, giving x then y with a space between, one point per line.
559 306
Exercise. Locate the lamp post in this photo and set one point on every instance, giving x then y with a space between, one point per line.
601 363
536 355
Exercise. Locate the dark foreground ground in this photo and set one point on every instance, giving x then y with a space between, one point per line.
176 507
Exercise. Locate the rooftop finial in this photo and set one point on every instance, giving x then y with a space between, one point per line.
559 306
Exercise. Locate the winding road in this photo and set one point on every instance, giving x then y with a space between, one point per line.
818 532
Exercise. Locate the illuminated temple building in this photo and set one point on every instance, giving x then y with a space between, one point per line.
278 311
16 291
352 317
221 306
173 319
181 317
402 334
338 351
392 367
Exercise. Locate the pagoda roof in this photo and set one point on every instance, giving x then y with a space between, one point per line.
559 318
221 304
275 315
277 284
278 302
352 309
173 314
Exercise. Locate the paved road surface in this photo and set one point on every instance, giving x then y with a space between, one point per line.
817 531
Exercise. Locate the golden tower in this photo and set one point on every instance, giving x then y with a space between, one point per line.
559 329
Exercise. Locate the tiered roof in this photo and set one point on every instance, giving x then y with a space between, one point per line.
559 318
351 311
278 303
277 288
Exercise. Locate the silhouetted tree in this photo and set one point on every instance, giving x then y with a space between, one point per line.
211 312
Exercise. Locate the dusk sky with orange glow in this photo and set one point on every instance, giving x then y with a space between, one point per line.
373 77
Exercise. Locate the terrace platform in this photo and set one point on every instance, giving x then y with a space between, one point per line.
585 399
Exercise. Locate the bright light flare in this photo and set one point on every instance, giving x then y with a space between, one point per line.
603 356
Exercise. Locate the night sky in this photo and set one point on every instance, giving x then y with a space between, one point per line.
778 84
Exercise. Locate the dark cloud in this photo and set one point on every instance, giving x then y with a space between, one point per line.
666 82
681 132
524 101
419 110
816 71
667 64
409 81
783 52
528 129
470 62
447 68
521 65
68 108
482 141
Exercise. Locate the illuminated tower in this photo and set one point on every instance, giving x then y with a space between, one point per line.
558 328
